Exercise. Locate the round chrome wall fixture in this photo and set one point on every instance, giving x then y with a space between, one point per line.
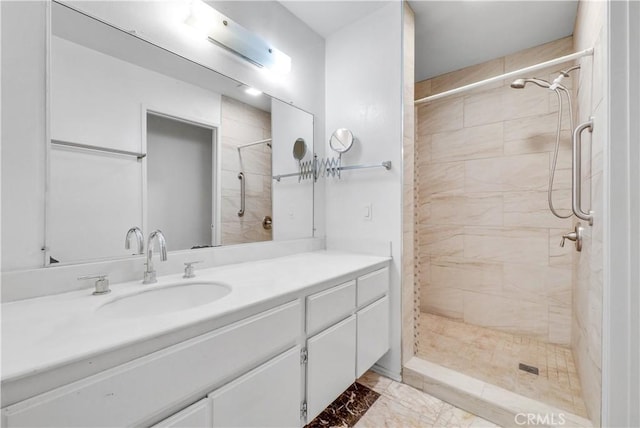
341 140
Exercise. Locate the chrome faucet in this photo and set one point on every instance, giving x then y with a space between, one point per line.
150 273
134 231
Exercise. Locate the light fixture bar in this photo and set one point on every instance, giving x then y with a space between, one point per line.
226 33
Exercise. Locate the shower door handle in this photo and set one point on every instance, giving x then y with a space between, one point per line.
576 200
241 178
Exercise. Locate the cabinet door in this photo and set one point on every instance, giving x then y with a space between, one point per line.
197 415
373 334
331 365
268 396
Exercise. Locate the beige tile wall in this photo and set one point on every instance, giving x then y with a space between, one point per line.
242 124
586 331
487 245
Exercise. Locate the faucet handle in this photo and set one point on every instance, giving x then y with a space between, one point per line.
571 236
575 236
102 283
189 271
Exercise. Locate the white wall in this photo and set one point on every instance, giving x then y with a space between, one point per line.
364 94
292 200
97 99
621 327
23 133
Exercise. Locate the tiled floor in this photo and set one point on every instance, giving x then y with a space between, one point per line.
401 406
493 357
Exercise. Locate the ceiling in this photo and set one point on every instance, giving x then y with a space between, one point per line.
451 35
327 17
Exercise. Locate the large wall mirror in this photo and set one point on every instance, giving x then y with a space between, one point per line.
143 137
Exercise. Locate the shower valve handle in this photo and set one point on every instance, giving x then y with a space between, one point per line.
571 236
575 236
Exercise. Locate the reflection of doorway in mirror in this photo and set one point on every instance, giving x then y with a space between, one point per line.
242 125
180 182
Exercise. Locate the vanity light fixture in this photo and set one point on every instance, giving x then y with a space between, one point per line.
230 35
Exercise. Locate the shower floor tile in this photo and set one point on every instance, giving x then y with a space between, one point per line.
493 356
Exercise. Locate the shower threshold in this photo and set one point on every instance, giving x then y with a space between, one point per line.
495 404
519 373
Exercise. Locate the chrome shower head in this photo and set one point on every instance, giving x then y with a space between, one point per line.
521 83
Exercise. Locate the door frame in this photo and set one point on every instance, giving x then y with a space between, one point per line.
621 299
216 175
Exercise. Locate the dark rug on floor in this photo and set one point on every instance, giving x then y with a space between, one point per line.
347 409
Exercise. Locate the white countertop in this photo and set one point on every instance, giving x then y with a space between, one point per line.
45 333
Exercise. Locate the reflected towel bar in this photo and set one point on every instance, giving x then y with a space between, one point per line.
255 143
242 193
97 148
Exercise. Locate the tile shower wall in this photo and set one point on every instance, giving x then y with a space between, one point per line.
242 124
586 329
487 246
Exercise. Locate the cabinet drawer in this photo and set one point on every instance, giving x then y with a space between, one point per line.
268 396
141 390
372 286
330 306
373 334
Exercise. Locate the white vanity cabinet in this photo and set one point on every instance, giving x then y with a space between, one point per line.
278 368
137 392
357 316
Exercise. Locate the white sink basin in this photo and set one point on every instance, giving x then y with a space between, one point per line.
166 299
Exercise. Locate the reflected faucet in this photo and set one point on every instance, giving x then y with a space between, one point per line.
134 231
150 273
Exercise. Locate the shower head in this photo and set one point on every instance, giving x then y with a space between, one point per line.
518 84
521 83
